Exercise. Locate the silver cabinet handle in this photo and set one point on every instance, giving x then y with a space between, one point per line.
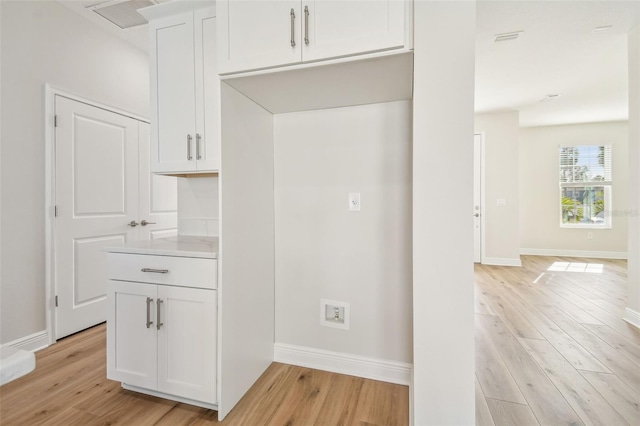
155 271
149 322
189 157
293 23
158 323
306 25
133 224
145 223
198 156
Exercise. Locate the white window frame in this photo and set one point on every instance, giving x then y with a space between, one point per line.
608 189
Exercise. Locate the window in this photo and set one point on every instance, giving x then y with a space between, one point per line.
585 186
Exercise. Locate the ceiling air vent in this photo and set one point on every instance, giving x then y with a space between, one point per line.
123 13
507 36
551 97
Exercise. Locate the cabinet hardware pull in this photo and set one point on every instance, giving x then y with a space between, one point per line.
306 25
189 157
293 23
198 156
133 224
158 323
149 322
145 223
156 271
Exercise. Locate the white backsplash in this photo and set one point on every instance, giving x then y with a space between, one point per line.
198 206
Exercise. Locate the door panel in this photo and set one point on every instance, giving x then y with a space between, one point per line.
187 343
477 198
339 28
96 188
132 345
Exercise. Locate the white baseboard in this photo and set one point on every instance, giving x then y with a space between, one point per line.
501 261
33 342
337 362
575 253
632 317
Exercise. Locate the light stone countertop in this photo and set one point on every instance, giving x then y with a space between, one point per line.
180 246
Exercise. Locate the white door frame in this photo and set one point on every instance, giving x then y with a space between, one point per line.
50 93
482 192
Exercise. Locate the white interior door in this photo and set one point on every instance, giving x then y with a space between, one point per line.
477 197
96 194
158 208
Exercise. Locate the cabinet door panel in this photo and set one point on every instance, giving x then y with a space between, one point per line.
173 93
207 91
339 28
131 346
187 343
257 34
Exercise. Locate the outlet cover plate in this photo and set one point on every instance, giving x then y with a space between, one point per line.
328 307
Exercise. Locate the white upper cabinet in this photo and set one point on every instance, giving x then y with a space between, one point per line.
262 34
185 93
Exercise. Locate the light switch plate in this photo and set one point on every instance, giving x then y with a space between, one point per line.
501 202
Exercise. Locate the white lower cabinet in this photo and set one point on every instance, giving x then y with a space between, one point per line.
162 339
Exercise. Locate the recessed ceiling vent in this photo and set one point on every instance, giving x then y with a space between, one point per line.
123 13
507 36
601 30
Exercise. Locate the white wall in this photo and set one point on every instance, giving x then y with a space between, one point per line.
198 206
501 223
444 376
633 301
325 251
540 194
44 42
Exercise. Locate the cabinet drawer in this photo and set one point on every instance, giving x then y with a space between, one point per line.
177 271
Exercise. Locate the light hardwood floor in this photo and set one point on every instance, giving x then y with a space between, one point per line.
551 349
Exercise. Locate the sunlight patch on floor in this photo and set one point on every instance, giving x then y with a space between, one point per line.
589 268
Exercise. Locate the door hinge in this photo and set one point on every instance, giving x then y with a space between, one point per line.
55 121
55 211
56 301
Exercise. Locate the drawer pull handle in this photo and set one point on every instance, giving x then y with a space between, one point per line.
292 14
158 323
149 322
306 25
155 271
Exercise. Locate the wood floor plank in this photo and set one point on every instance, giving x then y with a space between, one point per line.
510 414
623 367
492 373
483 415
592 408
615 339
621 396
546 402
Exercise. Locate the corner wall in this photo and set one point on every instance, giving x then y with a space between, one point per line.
540 229
632 313
501 223
44 42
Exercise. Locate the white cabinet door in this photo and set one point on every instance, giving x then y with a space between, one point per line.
258 34
132 334
187 343
340 28
173 93
207 91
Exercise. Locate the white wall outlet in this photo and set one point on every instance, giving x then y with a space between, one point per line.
354 201
589 235
501 202
334 313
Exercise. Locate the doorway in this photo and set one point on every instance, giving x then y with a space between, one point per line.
103 194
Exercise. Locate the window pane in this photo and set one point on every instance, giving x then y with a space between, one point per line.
583 205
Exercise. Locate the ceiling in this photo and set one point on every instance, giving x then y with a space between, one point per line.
556 53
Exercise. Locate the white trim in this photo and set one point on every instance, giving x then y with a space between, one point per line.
632 317
574 253
342 363
50 93
501 261
33 342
